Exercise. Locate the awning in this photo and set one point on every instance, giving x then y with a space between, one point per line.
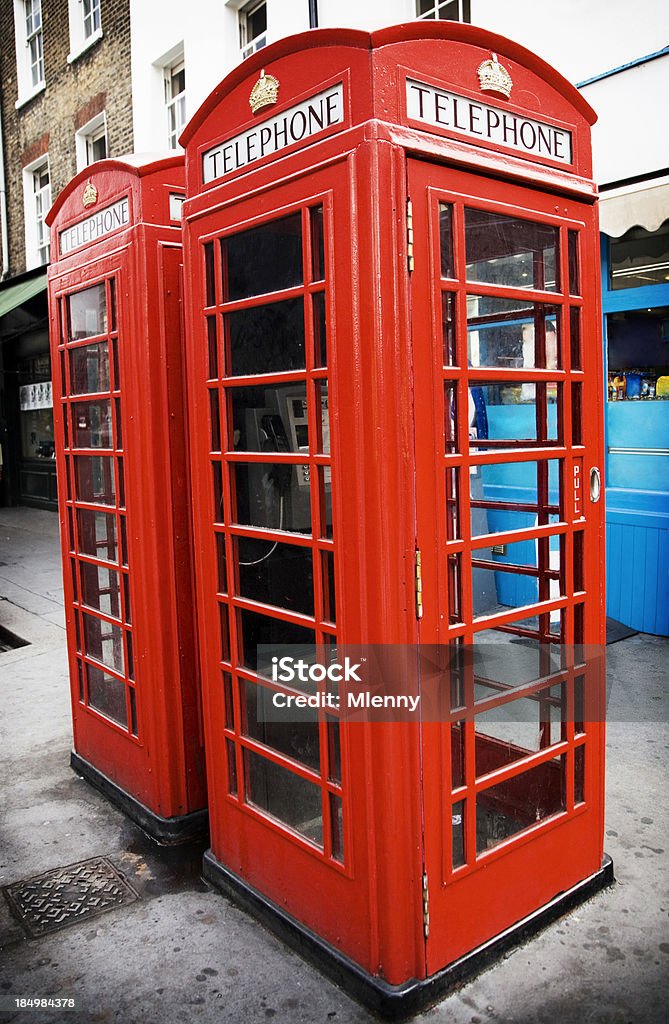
13 295
644 205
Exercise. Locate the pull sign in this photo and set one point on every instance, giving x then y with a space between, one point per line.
578 489
410 260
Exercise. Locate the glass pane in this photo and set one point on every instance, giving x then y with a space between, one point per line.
88 313
458 827
265 259
506 413
220 562
228 701
509 807
575 337
297 738
507 333
97 534
320 331
89 369
210 281
508 733
285 796
448 328
232 767
212 347
273 495
510 251
217 474
276 574
95 479
262 630
457 755
92 424
574 287
323 417
100 589
107 694
337 826
446 239
334 750
505 496
215 420
270 419
104 643
266 339
317 247
329 605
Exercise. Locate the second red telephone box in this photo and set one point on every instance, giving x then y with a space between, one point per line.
120 429
395 371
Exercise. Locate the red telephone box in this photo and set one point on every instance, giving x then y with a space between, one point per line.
120 428
393 314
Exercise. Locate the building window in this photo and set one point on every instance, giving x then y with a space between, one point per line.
29 48
175 102
91 142
90 10
85 25
37 201
252 27
444 10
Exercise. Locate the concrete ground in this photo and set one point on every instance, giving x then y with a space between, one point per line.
184 953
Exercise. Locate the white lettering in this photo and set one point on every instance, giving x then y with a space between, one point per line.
303 121
440 108
91 229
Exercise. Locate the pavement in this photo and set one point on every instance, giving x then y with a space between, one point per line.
182 952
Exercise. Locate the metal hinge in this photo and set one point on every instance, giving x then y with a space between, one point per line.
419 585
410 261
426 907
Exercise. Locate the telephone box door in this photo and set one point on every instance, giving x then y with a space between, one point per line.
510 529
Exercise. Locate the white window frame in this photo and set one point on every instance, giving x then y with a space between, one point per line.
248 46
36 205
174 104
84 32
91 131
434 12
25 38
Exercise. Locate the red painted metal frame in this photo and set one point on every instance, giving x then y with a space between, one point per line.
159 762
384 472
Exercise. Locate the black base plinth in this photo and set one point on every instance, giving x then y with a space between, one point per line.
167 831
396 1002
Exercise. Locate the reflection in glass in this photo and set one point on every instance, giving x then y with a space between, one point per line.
510 251
511 413
92 424
264 259
458 827
95 479
104 642
264 630
572 244
448 300
337 826
107 694
88 313
325 500
317 247
267 338
320 330
276 574
271 418
89 369
297 738
287 797
509 807
273 495
97 534
100 589
506 333
505 496
446 239
509 733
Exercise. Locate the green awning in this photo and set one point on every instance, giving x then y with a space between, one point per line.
13 295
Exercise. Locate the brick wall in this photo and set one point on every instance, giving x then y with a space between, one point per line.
99 79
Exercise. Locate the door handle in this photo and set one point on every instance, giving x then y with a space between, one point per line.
595 484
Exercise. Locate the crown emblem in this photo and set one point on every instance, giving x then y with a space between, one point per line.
90 195
493 77
264 93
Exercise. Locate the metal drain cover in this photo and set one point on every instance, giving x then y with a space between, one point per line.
65 896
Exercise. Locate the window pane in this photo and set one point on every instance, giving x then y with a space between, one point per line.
88 312
265 259
107 694
507 333
89 369
276 574
95 479
510 251
509 807
273 495
270 419
263 630
100 589
266 339
446 239
92 424
640 258
97 534
290 799
104 642
506 413
297 738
